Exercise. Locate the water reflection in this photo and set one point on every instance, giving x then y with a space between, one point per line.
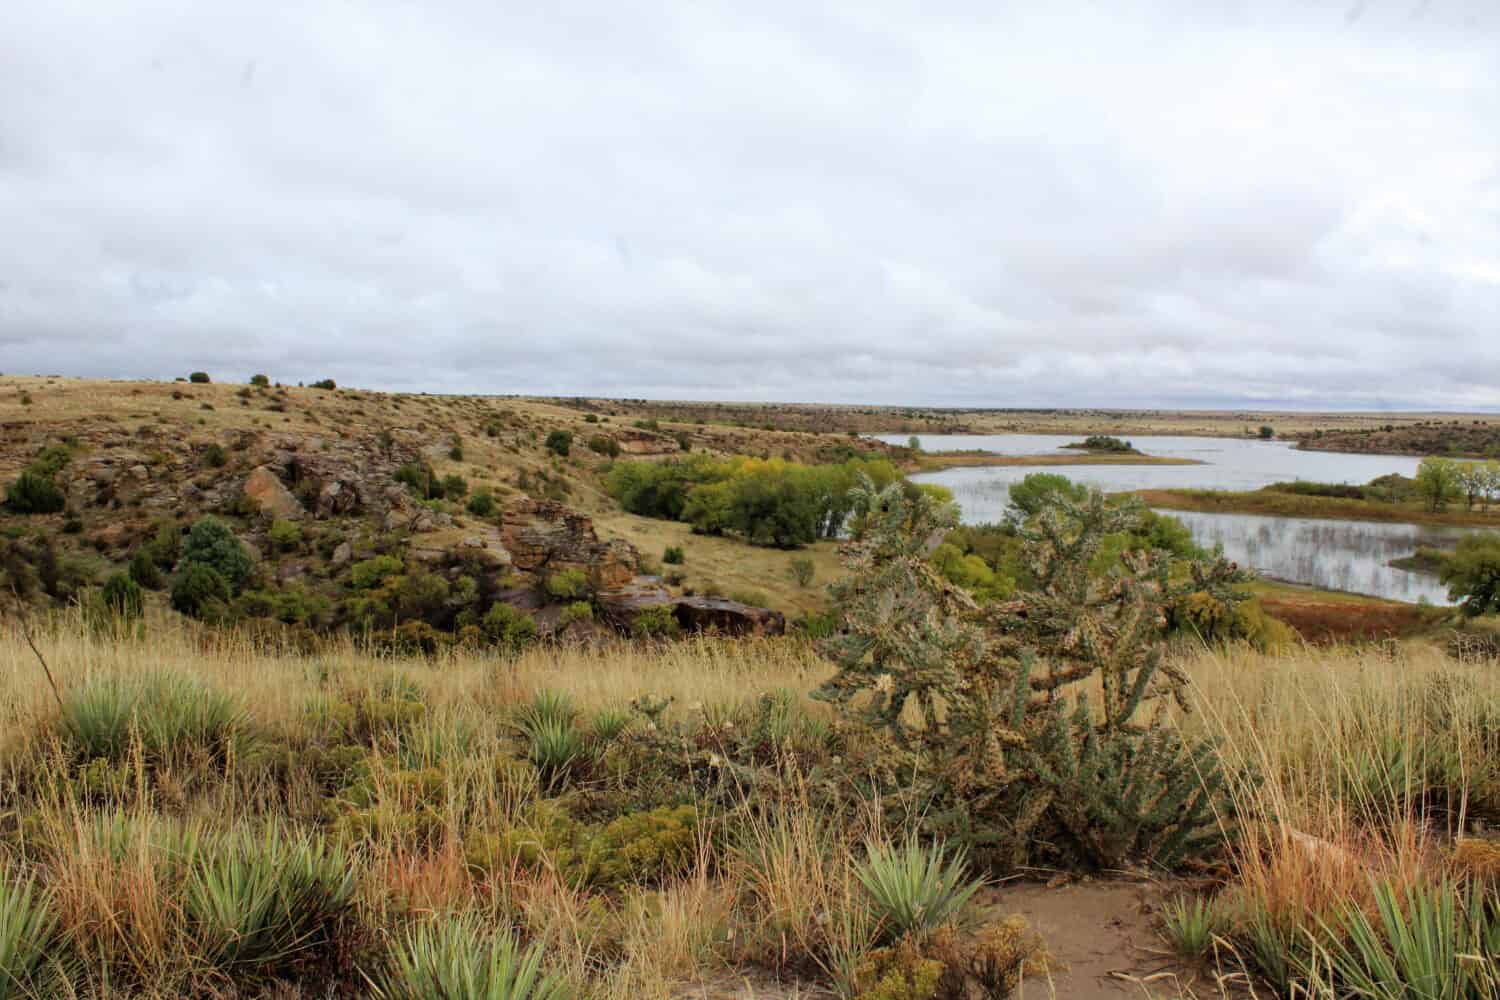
1333 555
1336 555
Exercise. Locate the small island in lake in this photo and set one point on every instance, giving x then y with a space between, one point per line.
1104 443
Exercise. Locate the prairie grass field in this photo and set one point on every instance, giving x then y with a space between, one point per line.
155 829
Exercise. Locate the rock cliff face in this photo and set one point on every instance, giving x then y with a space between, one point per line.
546 537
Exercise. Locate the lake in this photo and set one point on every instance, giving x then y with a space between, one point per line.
1330 554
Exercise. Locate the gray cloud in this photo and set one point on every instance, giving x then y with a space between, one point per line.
1294 202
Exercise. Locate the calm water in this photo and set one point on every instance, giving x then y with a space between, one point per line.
1336 555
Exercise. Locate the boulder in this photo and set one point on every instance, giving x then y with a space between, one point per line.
725 617
621 605
265 489
337 497
342 554
544 536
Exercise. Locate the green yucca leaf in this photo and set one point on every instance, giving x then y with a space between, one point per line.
28 930
915 889
453 959
1191 923
554 746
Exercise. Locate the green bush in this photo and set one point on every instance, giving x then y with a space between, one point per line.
578 611
655 622
285 535
122 597
32 493
200 378
214 456
454 486
604 445
198 588
481 504
673 555
510 628
453 958
419 478
559 443
145 571
210 543
1040 490
325 383
373 572
568 585
260 381
644 846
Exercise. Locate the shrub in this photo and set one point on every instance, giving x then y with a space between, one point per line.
1472 573
915 889
559 443
122 597
198 588
1267 432
326 383
802 571
481 504
1039 490
655 622
673 555
684 441
644 846
372 572
452 957
604 445
285 535
454 486
199 378
210 543
214 456
260 381
33 493
568 585
144 570
420 480
510 628
578 611
28 934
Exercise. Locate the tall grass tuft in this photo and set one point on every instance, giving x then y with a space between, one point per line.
448 958
1191 923
28 931
915 889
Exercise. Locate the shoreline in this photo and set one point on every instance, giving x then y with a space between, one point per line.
939 461
1269 503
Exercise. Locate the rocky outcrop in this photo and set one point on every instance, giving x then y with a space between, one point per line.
621 606
725 617
546 537
265 489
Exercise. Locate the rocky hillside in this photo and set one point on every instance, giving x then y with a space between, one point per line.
363 510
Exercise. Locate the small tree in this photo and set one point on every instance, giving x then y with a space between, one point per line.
1437 481
199 377
1472 573
1267 432
260 381
34 493
559 443
210 543
1038 490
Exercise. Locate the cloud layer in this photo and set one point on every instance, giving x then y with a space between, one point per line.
1294 202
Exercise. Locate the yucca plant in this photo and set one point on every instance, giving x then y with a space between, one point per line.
547 708
28 931
915 889
261 901
452 958
1427 942
1191 923
554 746
606 724
167 713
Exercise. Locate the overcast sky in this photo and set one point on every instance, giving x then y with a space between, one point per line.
1055 202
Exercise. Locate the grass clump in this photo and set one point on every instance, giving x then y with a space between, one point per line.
167 715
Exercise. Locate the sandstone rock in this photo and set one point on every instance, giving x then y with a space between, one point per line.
265 490
342 554
337 497
714 614
544 536
621 606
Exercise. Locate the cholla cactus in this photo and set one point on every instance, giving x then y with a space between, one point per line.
991 712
